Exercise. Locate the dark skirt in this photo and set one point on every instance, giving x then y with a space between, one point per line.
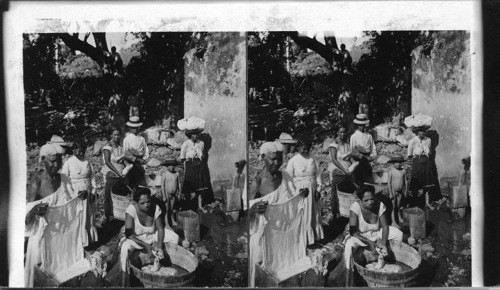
363 173
197 178
422 175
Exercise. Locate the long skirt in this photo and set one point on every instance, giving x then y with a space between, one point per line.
312 209
422 175
363 173
197 178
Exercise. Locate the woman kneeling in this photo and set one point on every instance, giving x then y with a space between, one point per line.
368 226
144 228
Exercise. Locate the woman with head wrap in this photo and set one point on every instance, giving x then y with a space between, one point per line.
48 189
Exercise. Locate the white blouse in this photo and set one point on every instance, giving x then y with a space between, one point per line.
192 150
419 146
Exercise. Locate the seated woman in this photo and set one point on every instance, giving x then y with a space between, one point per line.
368 226
144 228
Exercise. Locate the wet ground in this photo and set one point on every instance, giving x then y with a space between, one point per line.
221 252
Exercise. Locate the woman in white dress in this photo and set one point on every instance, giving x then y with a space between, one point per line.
305 171
81 181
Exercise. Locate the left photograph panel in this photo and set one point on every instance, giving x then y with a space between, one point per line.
136 159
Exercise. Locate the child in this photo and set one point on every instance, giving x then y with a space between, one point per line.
304 169
397 187
170 187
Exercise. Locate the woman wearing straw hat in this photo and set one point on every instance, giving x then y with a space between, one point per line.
363 149
196 172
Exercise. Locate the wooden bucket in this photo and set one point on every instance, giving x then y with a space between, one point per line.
178 256
404 254
120 204
414 218
346 193
189 221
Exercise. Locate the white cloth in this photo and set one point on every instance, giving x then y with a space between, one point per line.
271 147
50 149
191 150
148 235
306 174
136 145
284 238
81 177
419 146
35 233
363 142
191 123
258 222
62 245
373 232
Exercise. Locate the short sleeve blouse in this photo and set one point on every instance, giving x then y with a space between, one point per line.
139 229
363 226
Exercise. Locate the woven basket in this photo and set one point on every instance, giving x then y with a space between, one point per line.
404 254
178 256
120 204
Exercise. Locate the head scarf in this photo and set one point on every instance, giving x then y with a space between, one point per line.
270 147
50 149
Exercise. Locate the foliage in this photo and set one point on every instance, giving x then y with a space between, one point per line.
317 95
80 66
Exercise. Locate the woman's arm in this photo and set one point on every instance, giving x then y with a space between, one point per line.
353 230
107 161
160 227
129 233
385 230
333 157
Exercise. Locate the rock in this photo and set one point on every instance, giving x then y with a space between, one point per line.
411 241
243 240
158 135
237 275
153 162
429 254
186 244
241 256
97 147
383 159
200 251
466 252
427 248
204 257
466 237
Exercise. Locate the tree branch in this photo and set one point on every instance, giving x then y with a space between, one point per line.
325 51
76 44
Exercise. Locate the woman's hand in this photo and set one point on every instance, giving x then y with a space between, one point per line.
304 192
259 207
149 250
83 194
373 247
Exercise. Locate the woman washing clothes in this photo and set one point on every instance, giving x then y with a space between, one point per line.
113 155
196 171
422 176
340 168
144 229
368 226
81 180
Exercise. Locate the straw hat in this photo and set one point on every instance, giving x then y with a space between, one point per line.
134 122
361 119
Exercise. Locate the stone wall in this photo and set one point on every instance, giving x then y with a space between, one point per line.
441 88
215 90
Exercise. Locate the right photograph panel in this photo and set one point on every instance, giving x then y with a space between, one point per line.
359 159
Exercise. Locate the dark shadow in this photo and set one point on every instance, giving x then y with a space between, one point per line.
435 191
106 233
208 195
334 229
427 273
203 274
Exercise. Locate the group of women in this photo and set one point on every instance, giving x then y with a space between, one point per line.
369 220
